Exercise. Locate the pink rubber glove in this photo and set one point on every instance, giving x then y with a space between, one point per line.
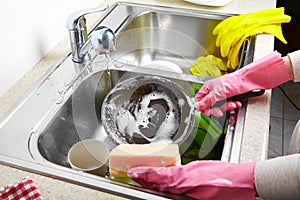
266 73
200 179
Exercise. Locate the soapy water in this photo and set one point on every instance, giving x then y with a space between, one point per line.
133 122
146 114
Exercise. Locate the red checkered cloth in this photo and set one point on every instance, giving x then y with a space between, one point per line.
22 190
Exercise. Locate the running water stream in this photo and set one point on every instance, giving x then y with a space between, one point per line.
107 60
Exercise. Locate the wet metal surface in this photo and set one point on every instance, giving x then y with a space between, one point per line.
65 106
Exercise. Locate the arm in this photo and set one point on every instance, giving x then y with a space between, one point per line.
292 61
278 178
265 73
203 180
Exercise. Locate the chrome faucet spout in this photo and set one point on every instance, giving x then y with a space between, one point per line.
76 24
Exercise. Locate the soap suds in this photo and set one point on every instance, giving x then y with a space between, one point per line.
151 117
130 122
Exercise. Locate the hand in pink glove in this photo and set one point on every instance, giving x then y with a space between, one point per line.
200 179
266 73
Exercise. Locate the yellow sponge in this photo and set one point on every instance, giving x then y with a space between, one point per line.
126 156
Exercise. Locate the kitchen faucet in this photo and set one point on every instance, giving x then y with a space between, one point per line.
102 38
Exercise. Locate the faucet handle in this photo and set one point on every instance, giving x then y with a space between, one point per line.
75 17
76 24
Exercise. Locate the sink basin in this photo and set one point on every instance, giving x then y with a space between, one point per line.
65 106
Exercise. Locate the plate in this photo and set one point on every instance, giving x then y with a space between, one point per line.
210 2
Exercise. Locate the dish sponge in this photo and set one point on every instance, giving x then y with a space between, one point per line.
126 156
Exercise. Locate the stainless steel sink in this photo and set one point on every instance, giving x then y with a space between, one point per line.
65 106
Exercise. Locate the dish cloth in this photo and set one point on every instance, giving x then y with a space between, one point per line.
23 190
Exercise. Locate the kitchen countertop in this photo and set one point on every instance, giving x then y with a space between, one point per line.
255 136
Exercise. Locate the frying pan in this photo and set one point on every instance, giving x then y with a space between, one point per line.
147 109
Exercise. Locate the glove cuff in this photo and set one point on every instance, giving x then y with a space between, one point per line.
232 180
265 73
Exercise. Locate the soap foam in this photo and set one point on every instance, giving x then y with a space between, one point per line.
129 122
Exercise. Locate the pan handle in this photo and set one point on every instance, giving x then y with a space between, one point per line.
239 97
253 93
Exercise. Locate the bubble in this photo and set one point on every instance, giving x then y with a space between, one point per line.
181 103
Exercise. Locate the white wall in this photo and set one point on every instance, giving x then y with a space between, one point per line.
28 30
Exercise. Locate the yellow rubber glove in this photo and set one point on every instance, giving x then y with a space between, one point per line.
208 66
234 30
233 54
